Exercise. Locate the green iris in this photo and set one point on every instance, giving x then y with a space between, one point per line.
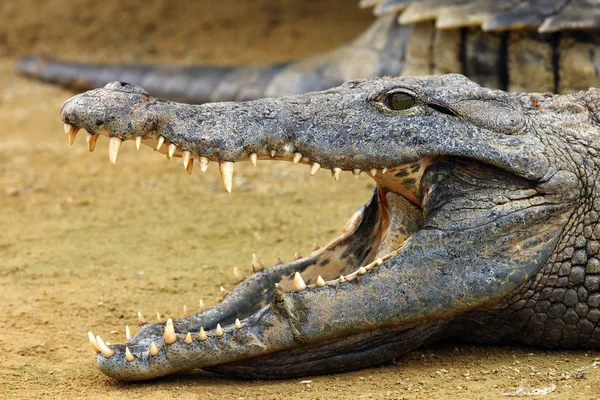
400 101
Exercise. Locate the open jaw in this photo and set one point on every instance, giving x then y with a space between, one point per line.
438 238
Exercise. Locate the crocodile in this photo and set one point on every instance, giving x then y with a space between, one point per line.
514 45
483 225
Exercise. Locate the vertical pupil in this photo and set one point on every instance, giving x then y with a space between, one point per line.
400 101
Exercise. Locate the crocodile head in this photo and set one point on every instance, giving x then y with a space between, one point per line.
472 198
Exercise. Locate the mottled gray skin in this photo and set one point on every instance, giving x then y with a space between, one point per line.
514 45
502 247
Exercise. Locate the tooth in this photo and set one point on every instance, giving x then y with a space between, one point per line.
169 335
201 304
335 173
297 158
202 335
253 158
256 264
186 158
138 142
315 247
299 284
203 164
219 330
278 261
314 168
161 140
185 311
189 167
226 168
188 338
297 256
356 173
171 151
72 135
273 152
127 333
383 171
113 148
91 141
237 274
223 292
158 319
93 342
362 271
373 171
106 351
238 324
320 281
342 279
68 128
379 261
153 349
141 320
128 356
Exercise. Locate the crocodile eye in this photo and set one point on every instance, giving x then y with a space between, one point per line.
399 101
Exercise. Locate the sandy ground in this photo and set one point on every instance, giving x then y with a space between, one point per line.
84 245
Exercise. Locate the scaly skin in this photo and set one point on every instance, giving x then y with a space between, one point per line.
483 225
514 45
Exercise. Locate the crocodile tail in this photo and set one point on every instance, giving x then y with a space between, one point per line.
379 51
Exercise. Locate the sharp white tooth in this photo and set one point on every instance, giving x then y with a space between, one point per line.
93 342
238 324
141 320
161 140
273 153
158 318
335 173
138 142
106 351
188 338
91 141
223 292
299 284
219 330
186 155
171 151
68 128
383 171
373 171
256 264
128 333
237 274
153 349
356 173
362 271
315 247
320 281
128 356
169 335
297 158
253 158
202 335
113 148
342 279
226 168
203 164
190 167
314 168
201 305
297 256
379 261
185 311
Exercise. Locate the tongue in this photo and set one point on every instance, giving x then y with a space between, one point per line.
404 219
